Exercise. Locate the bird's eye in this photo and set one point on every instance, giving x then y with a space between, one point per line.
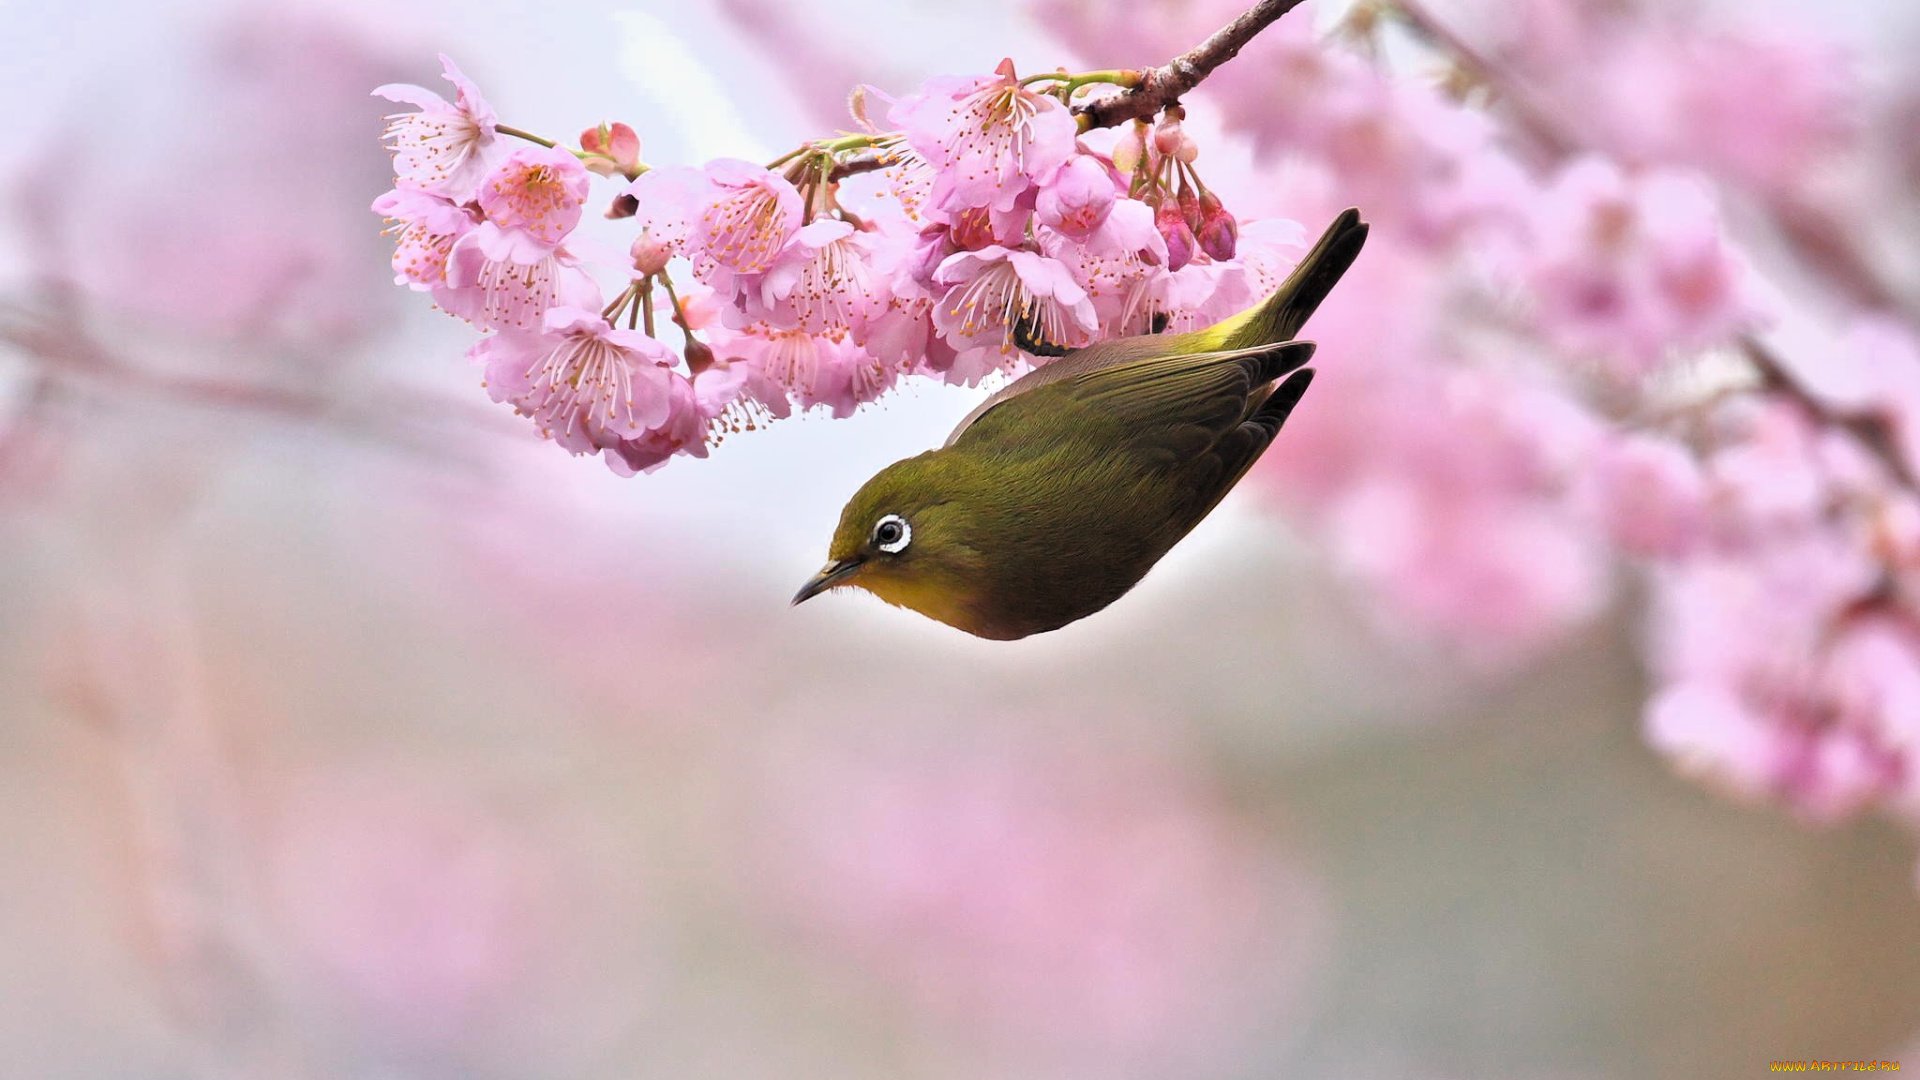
891 534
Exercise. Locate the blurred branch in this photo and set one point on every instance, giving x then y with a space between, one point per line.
67 356
1823 239
1871 431
1533 118
1163 86
137 675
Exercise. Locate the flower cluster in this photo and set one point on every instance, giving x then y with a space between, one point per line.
993 236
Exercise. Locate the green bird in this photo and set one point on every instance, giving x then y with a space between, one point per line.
1061 491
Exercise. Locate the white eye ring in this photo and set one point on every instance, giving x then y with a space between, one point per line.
892 540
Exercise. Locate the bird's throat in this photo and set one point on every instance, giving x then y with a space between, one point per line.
936 599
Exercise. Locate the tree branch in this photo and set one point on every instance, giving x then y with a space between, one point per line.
865 161
1163 86
1158 87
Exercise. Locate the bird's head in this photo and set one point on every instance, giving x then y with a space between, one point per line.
904 537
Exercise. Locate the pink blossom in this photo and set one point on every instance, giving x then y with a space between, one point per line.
1494 575
816 370
1710 735
1767 477
1269 249
684 431
991 290
665 206
736 396
1195 296
1753 617
1757 108
848 378
1784 688
1117 265
443 147
1874 671
1444 495
427 227
824 283
979 227
902 333
1628 268
589 386
909 179
506 279
1649 494
1077 198
744 216
988 137
537 189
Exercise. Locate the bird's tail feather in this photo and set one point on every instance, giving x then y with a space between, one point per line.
1280 316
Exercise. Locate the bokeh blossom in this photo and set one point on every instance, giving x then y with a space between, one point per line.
1632 269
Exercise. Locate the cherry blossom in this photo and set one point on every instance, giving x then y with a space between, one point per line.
993 291
989 138
590 387
426 226
443 147
745 216
537 190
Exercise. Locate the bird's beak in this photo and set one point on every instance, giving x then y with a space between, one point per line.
830 575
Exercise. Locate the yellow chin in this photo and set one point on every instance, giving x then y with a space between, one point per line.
933 599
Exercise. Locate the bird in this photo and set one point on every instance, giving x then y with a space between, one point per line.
1059 492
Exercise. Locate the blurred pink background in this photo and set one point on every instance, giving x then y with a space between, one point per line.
350 731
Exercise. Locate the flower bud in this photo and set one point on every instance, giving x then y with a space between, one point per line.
612 149
1219 233
649 254
1168 137
1078 198
699 356
1180 240
1190 207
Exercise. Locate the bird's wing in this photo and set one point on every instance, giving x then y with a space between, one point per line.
1273 321
1077 362
1179 403
1214 472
